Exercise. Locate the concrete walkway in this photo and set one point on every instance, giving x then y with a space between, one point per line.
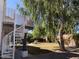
52 55
55 55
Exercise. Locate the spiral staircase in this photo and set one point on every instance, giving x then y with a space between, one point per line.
10 40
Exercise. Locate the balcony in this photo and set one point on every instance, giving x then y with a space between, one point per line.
9 16
8 20
12 17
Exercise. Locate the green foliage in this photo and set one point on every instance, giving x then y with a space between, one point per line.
48 15
29 37
76 36
75 8
38 32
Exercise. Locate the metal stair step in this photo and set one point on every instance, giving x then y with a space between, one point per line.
7 53
7 56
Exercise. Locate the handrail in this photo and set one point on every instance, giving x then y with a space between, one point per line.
6 37
10 12
12 31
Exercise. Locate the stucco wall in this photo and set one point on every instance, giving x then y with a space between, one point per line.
1 17
7 28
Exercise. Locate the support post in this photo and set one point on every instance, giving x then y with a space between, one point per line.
2 15
14 37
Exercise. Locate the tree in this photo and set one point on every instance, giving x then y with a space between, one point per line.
76 16
40 13
54 15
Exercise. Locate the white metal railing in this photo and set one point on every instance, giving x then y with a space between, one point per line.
8 42
6 46
10 12
10 15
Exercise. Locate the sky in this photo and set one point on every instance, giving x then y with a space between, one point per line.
13 3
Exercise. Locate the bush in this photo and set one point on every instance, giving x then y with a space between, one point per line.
29 38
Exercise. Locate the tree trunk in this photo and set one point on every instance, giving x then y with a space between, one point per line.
61 40
49 39
46 39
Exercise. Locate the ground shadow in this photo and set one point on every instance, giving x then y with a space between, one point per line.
44 54
37 51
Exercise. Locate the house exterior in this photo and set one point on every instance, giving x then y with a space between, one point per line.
2 3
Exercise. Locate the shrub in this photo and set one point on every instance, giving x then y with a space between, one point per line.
29 38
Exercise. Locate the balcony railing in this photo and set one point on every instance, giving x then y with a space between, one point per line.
12 15
8 42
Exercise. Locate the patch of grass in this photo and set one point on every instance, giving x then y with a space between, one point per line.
46 46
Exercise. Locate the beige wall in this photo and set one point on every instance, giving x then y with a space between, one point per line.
8 20
7 28
1 17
